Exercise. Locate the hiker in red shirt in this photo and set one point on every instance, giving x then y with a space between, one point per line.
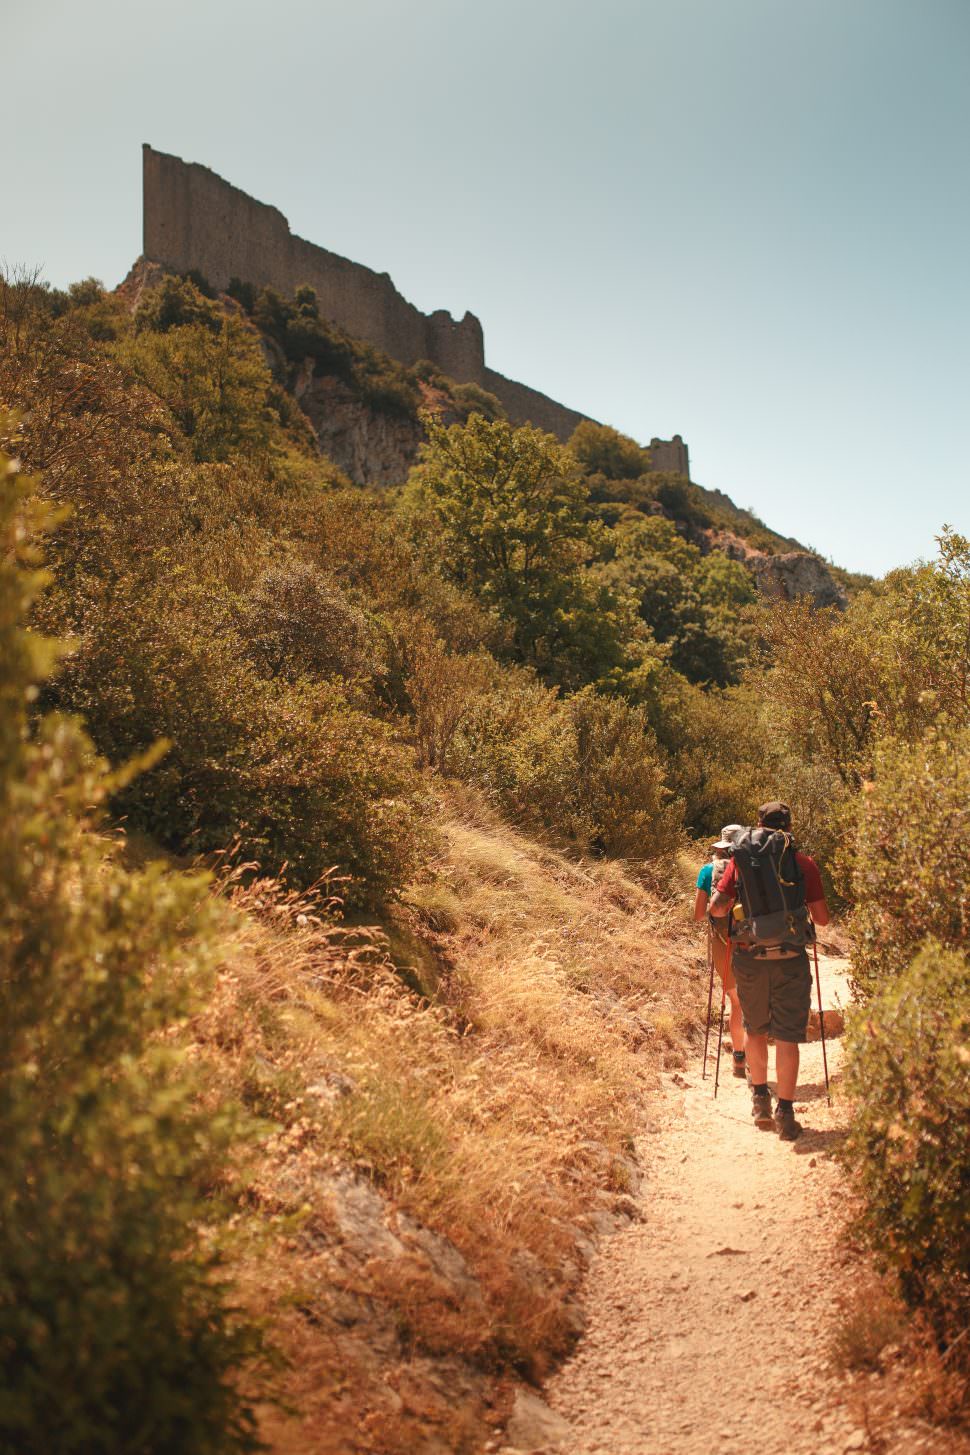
773 894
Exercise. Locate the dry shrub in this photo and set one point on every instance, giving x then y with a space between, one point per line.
482 1128
872 1321
898 1367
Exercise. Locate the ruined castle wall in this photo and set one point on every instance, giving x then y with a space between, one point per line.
527 406
193 219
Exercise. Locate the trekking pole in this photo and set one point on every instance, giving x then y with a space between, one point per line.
710 998
720 1042
821 1024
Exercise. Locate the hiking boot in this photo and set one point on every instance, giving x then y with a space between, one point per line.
740 1064
761 1110
788 1128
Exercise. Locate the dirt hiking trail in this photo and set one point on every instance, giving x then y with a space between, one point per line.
709 1319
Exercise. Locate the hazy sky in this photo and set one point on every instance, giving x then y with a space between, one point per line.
744 221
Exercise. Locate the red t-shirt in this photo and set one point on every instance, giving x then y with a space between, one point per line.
813 879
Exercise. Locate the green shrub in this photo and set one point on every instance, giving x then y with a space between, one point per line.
473 399
673 493
718 755
117 1329
585 768
379 381
906 859
298 623
442 688
621 799
890 664
86 292
515 744
243 293
908 1145
602 450
176 303
694 603
292 768
215 382
504 514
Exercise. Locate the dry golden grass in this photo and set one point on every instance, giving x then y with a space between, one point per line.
495 1119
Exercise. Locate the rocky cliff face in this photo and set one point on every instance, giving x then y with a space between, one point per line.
371 447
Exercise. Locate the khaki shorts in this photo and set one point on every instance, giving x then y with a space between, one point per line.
775 995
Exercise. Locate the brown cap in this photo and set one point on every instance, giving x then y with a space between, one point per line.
775 815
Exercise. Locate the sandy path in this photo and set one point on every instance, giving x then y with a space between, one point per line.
709 1319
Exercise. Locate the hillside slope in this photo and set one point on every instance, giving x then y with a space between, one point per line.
442 1164
364 411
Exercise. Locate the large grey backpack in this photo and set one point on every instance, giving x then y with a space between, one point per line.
771 891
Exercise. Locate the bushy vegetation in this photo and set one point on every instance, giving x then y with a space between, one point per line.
896 661
694 603
117 1329
505 513
874 702
909 1140
587 768
542 629
907 880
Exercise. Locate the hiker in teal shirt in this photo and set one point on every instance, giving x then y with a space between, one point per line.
720 948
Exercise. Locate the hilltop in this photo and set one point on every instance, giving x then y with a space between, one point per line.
362 408
198 225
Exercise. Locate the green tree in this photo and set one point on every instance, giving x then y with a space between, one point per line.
216 384
905 857
601 450
174 303
888 665
695 603
908 1145
117 1329
504 513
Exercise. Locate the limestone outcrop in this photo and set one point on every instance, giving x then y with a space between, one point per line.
784 576
371 447
796 573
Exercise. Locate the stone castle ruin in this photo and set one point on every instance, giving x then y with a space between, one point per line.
670 455
195 220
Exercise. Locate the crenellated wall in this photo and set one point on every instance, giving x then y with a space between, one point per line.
193 219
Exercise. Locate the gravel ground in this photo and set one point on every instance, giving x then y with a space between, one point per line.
710 1318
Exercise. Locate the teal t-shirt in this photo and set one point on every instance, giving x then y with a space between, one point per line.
705 876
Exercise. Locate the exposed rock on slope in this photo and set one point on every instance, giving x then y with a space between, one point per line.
796 573
785 576
372 447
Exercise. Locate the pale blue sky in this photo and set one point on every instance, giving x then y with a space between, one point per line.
746 221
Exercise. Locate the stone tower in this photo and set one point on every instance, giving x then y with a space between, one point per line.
669 456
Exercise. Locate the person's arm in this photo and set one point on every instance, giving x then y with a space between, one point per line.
721 904
700 906
819 911
814 893
724 892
